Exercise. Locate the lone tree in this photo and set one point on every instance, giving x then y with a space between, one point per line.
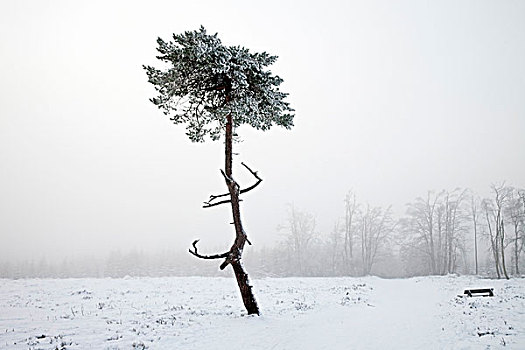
214 89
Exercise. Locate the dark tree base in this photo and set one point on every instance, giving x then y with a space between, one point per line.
246 289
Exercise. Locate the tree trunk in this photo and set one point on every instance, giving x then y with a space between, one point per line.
493 243
234 255
503 264
516 251
474 220
348 244
240 236
496 259
246 289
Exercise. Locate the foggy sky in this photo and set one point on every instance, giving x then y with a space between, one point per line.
392 99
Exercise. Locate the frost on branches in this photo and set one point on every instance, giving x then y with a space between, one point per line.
205 81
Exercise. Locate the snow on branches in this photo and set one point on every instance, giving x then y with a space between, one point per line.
207 80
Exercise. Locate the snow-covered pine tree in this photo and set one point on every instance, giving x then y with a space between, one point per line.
213 89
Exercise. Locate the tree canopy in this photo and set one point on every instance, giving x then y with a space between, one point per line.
204 81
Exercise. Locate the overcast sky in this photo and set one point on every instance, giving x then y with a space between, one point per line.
392 98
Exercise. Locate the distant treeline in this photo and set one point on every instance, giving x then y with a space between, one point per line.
116 264
446 232
440 233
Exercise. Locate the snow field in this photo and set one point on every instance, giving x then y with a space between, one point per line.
297 313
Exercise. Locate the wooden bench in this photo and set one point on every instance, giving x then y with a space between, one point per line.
483 292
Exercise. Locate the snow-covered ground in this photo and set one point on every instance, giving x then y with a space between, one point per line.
298 313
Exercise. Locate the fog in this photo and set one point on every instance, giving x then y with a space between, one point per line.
392 99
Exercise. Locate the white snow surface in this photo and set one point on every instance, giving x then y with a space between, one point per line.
297 313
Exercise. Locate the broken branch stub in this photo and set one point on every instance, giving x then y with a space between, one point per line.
213 197
208 257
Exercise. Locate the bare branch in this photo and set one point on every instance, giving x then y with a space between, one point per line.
209 203
225 263
226 177
254 173
214 197
209 257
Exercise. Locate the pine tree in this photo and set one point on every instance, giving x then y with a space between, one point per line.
213 89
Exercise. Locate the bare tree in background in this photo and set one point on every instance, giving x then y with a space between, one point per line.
521 195
300 232
375 226
351 209
450 225
496 226
515 211
334 248
436 225
474 212
420 222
